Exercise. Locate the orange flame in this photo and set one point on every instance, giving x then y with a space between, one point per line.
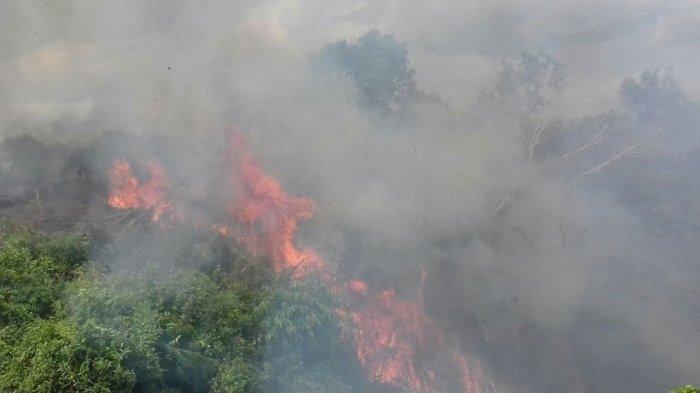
126 192
271 216
390 334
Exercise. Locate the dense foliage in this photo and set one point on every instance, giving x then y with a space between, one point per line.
686 389
378 67
68 324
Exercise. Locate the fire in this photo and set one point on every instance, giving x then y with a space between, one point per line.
392 335
389 334
271 216
124 187
393 338
126 192
357 287
471 375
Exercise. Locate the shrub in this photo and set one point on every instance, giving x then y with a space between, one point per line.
33 270
68 326
50 356
686 389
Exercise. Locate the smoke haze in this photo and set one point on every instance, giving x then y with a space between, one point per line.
537 161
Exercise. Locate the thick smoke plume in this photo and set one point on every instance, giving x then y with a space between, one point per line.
529 181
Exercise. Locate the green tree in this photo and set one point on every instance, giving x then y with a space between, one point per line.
378 67
526 86
655 98
685 389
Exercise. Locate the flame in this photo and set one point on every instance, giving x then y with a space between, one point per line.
126 192
357 287
390 335
471 375
271 216
124 187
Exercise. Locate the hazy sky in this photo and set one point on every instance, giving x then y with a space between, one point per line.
457 45
65 61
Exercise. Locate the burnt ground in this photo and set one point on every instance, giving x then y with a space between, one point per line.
59 187
50 187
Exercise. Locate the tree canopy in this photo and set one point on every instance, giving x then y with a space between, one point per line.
377 66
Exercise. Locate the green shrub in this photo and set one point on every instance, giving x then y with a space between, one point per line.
176 332
115 316
70 326
686 389
50 356
304 349
236 376
33 270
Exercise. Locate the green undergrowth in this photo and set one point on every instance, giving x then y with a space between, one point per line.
68 323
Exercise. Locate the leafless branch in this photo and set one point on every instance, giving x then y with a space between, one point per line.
594 141
616 157
535 138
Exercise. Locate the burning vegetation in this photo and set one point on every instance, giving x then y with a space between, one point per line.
395 345
270 215
127 192
358 233
395 342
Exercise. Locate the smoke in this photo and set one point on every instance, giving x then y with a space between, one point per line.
474 142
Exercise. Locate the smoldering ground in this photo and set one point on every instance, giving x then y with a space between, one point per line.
550 200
